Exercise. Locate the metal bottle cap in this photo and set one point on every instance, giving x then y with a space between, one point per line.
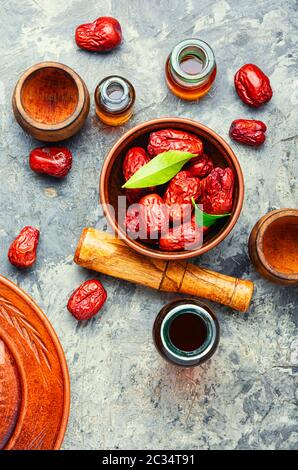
108 88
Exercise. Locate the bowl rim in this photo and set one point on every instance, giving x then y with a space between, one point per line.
268 220
171 255
60 125
45 322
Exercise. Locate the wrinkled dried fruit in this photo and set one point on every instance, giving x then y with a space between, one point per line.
147 219
187 236
179 193
153 216
104 34
252 85
132 221
248 131
200 166
52 161
217 191
87 300
135 158
22 251
173 139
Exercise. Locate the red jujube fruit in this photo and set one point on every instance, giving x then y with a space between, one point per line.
103 34
248 131
153 216
52 161
135 158
200 166
173 139
252 85
187 236
179 193
132 221
87 300
147 219
22 251
217 191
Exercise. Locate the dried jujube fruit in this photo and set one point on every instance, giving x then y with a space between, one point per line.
200 166
103 34
252 85
217 191
51 161
22 251
248 131
87 300
153 216
182 237
174 139
134 159
179 193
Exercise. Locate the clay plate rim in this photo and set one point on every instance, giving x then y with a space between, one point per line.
66 381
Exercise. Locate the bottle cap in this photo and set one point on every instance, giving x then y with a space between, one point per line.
115 94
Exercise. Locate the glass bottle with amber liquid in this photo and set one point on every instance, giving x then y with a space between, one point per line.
114 100
190 69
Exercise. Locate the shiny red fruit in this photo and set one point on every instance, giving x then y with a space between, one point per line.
103 34
87 300
22 251
51 161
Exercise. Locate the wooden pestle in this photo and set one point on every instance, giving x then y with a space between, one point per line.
106 254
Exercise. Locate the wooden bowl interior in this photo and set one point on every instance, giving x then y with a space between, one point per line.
49 95
114 176
285 230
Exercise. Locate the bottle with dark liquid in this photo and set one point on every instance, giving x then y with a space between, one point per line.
186 332
191 69
114 100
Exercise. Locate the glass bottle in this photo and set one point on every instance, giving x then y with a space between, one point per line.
114 100
186 332
191 69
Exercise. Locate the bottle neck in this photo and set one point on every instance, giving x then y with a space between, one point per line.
191 63
115 94
195 356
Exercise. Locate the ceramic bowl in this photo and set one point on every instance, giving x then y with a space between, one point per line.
112 179
51 101
283 222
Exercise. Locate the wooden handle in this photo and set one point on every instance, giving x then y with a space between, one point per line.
104 253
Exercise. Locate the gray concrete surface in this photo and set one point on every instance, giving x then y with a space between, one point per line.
123 394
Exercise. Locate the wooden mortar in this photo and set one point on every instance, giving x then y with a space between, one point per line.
51 101
106 254
273 246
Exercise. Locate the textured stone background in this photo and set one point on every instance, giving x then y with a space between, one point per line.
123 394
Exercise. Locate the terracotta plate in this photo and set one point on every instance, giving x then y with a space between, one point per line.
34 382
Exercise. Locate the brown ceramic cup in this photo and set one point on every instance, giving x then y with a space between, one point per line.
51 101
112 179
276 269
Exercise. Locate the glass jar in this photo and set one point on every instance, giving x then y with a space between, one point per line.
191 69
114 100
186 332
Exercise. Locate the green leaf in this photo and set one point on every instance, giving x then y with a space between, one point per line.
204 219
159 170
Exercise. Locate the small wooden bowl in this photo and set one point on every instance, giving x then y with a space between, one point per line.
51 102
283 223
111 181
